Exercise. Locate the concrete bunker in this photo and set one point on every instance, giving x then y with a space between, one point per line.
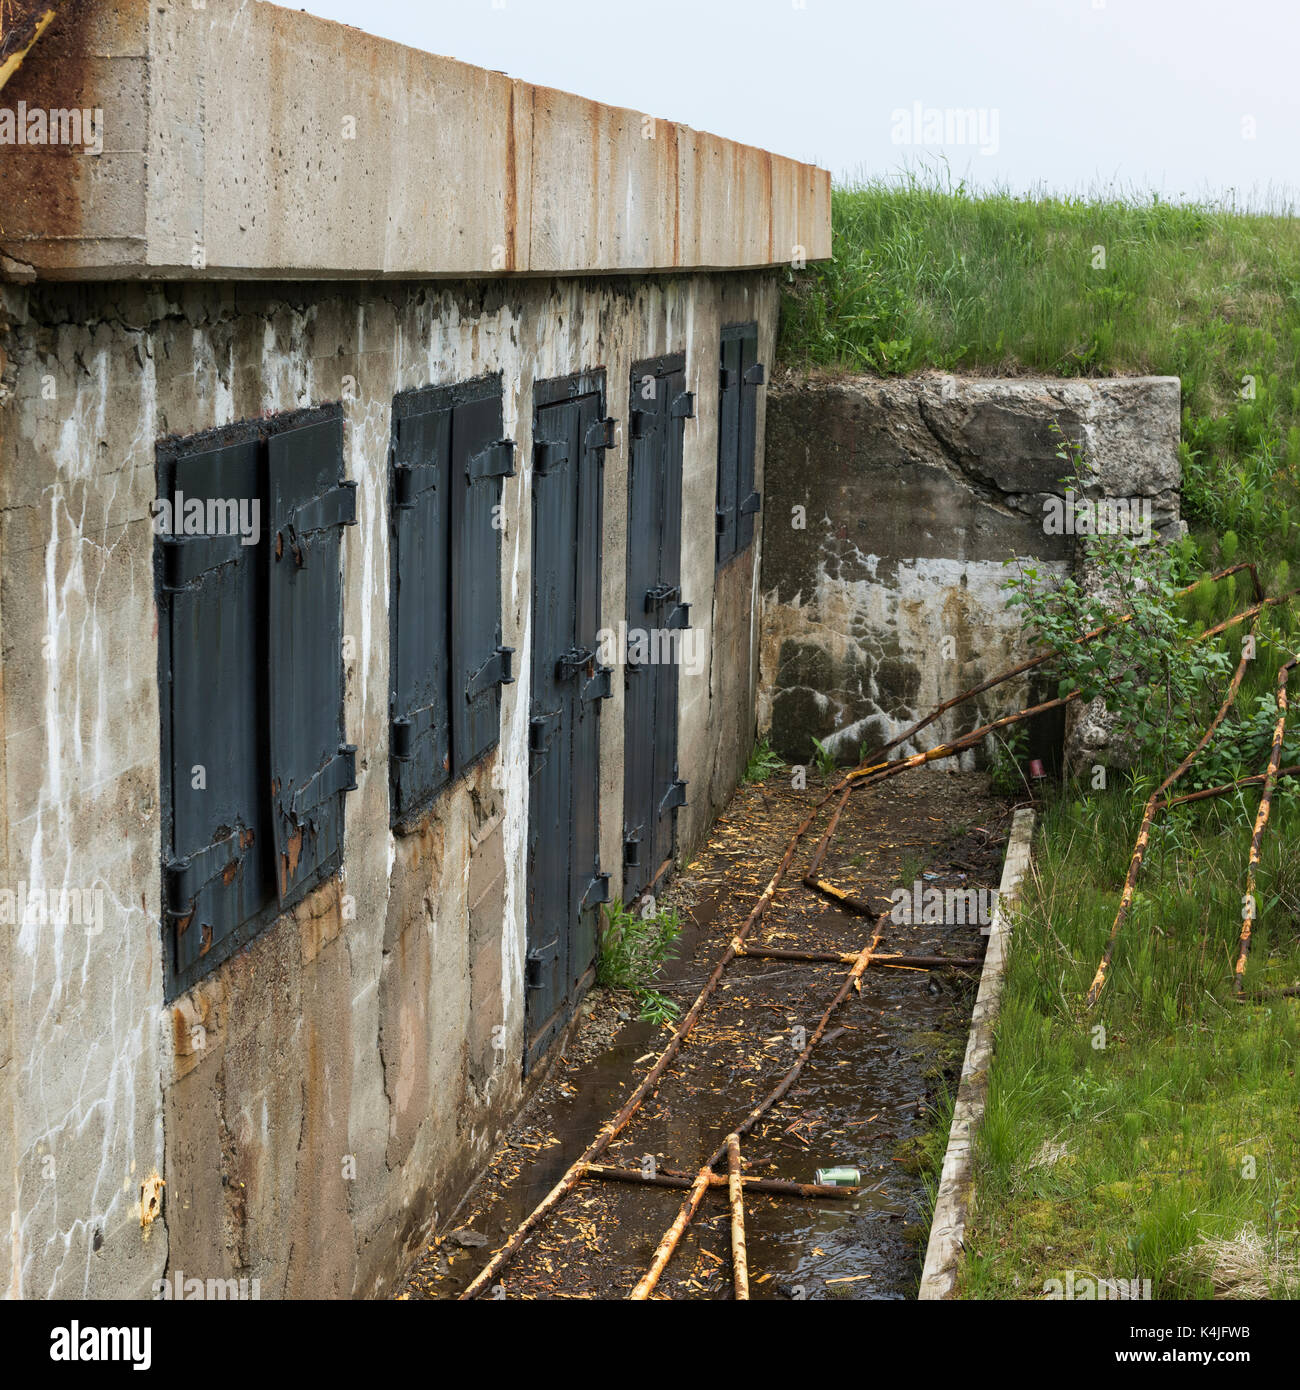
892 508
304 1016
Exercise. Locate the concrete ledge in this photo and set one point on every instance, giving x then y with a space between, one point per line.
242 140
952 1206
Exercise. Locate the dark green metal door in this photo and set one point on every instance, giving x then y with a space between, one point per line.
565 885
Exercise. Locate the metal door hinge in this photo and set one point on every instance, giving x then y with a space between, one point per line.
601 685
756 375
411 480
597 892
408 729
497 460
496 670
536 962
337 507
602 434
187 558
751 504
541 730
338 775
673 798
187 877
684 406
548 455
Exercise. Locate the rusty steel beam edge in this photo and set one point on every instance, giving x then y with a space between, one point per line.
1148 817
646 1286
1261 823
1025 666
650 1081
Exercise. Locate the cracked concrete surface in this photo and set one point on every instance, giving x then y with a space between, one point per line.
891 511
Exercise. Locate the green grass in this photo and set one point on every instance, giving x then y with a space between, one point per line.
1115 1152
930 278
1121 1160
634 948
764 762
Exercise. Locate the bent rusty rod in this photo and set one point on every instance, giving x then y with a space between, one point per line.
675 1232
1144 832
672 1177
1261 821
651 1079
812 879
1026 666
869 775
1254 780
848 957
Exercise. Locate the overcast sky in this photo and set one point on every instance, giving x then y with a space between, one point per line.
1186 97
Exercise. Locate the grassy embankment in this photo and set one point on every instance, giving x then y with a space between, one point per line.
1150 1148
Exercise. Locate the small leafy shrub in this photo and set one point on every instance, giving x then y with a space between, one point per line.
824 758
633 952
763 762
1152 677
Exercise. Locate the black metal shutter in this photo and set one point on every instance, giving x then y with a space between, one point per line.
480 665
311 767
747 500
420 761
219 871
728 448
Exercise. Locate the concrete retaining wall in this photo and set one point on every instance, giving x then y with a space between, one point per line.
346 1086
890 510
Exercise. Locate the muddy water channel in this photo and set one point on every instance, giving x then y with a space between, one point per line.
865 1098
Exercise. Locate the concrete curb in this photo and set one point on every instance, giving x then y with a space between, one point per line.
952 1206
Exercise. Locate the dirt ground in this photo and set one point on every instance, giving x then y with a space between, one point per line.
864 1098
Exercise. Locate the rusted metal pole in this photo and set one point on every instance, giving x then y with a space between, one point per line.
1025 666
1144 833
1254 780
878 772
651 1079
767 1187
674 1233
1261 821
848 957
1286 992
646 1284
736 1194
1252 612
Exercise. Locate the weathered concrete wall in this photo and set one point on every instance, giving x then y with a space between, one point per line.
245 140
915 492
314 1101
